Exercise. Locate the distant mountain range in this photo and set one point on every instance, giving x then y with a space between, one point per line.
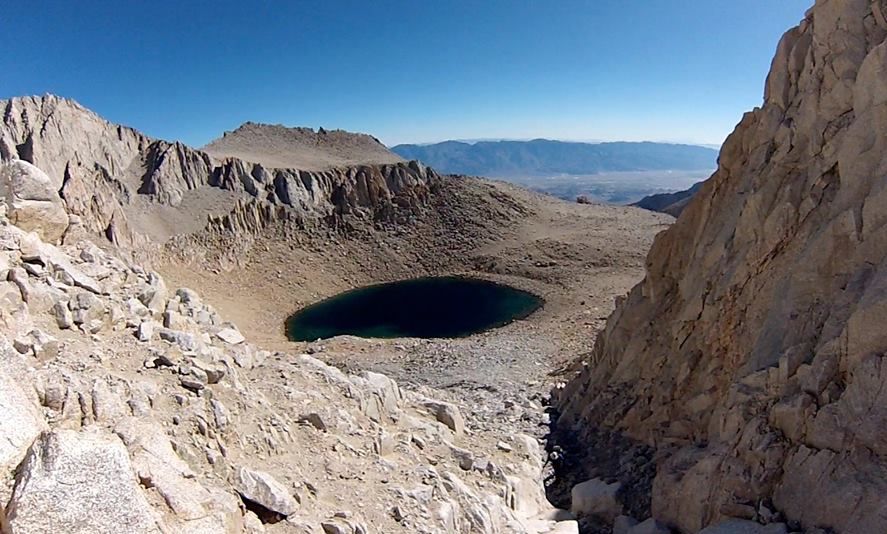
539 157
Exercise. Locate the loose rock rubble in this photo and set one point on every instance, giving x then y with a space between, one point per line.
128 406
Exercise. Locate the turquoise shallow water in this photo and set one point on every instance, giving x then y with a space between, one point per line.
439 307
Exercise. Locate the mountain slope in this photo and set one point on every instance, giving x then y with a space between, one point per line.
300 148
752 356
188 426
129 406
542 156
130 187
670 203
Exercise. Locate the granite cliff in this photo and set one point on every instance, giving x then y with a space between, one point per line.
752 355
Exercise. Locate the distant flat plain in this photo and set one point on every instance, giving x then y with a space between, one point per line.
611 187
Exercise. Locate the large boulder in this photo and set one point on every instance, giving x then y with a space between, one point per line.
448 414
263 489
596 498
33 203
78 482
158 466
20 422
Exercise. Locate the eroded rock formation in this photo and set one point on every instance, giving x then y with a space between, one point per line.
753 353
121 183
32 200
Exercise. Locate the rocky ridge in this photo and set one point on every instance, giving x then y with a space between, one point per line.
125 404
139 191
300 148
750 357
670 203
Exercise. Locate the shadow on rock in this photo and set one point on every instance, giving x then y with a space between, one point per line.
574 458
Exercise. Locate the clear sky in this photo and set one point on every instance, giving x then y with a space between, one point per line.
406 70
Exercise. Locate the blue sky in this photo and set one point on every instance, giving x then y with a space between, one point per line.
405 71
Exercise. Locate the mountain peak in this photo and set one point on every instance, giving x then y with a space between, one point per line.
276 145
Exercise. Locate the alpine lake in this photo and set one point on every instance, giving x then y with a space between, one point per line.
433 307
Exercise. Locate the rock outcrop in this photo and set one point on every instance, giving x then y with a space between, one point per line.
752 356
670 203
78 482
123 184
21 424
300 148
32 200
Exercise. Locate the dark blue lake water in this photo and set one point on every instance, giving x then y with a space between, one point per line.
439 307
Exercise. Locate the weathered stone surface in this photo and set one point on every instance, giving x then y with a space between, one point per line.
185 340
159 467
146 330
336 527
37 343
86 307
20 422
596 498
565 527
63 317
221 415
448 414
649 526
230 336
78 482
623 524
818 482
63 264
383 395
154 297
32 200
756 329
194 380
214 372
525 496
263 489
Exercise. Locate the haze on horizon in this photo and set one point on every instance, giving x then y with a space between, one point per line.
404 71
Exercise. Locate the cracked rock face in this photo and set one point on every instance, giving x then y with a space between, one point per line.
751 354
20 424
104 171
32 201
78 482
